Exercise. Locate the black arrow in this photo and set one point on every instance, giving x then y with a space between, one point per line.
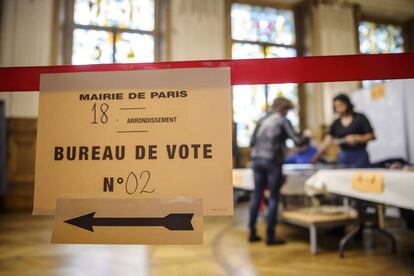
172 222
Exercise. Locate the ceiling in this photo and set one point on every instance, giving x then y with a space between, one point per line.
394 10
391 10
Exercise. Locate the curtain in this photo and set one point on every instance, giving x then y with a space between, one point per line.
3 150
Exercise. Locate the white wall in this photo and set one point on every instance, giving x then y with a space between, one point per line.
26 36
392 118
409 120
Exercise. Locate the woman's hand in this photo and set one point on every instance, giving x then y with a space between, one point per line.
352 139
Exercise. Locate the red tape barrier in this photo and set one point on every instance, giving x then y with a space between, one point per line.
249 71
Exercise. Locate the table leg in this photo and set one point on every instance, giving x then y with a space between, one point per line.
391 237
344 241
313 239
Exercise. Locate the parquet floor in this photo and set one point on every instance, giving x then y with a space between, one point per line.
25 250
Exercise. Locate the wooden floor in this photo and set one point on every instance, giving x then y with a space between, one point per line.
25 250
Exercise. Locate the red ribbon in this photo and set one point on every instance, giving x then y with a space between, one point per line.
248 71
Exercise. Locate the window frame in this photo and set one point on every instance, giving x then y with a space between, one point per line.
297 45
69 26
379 21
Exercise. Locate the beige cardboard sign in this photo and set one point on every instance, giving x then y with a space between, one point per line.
378 91
128 221
136 135
369 182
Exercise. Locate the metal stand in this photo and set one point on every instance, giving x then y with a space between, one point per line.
313 239
366 221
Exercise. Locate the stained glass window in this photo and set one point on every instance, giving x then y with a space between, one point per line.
247 50
379 39
273 52
131 14
106 31
264 24
91 46
132 47
249 105
260 32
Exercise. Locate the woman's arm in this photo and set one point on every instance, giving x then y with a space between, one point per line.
359 138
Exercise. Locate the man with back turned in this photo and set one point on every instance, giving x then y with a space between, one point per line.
268 152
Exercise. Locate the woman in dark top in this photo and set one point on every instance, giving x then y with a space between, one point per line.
351 131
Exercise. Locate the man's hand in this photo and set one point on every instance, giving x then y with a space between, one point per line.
315 158
307 133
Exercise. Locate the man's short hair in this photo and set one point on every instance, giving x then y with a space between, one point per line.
282 103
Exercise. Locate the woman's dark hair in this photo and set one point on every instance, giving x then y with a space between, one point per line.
345 99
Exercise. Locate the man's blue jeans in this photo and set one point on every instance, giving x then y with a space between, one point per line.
266 174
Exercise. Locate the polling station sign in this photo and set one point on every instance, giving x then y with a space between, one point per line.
135 135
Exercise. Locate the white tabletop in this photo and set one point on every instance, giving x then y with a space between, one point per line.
398 186
296 174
